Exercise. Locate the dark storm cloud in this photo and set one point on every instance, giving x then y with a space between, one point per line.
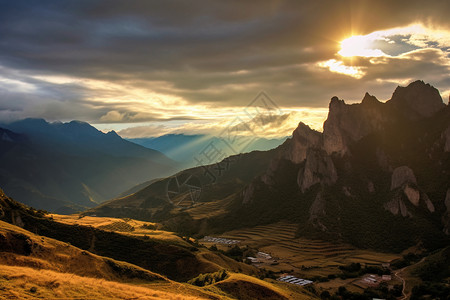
198 49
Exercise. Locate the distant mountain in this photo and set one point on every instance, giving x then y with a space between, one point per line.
378 177
184 148
70 166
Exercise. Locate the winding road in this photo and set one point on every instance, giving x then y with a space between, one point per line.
396 273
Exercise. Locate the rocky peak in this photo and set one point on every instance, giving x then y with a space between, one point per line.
349 123
303 138
369 100
417 100
294 149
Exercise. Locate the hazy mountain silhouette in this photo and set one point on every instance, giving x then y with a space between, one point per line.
184 148
64 166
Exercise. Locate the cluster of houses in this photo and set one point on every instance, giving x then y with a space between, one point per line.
260 257
374 280
294 280
220 240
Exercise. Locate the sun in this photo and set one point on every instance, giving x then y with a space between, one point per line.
359 45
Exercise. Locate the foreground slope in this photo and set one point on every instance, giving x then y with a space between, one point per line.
175 259
35 266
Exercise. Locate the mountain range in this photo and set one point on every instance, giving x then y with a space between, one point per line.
378 177
69 167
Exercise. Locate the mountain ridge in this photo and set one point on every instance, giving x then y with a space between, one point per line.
337 184
67 167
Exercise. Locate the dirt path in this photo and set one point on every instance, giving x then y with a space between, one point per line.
397 274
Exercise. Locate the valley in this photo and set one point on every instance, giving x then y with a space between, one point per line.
315 260
353 212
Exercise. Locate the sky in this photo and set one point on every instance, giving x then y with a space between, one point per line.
148 68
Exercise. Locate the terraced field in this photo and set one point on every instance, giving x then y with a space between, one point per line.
302 256
209 209
123 226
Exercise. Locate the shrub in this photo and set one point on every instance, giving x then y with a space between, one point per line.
209 278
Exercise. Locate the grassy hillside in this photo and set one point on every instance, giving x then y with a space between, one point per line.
171 257
37 266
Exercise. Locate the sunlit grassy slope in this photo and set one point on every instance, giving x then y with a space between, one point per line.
32 266
123 226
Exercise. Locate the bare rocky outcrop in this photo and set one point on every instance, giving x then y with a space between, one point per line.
428 202
446 216
316 211
303 138
417 100
248 193
402 175
319 168
349 123
397 206
404 181
294 149
412 194
446 137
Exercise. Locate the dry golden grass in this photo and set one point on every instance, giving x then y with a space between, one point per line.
244 287
19 282
61 271
209 209
118 225
51 254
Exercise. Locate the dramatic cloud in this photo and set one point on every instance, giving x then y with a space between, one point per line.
153 67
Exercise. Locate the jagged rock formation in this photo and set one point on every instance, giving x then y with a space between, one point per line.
364 158
397 206
402 175
294 150
319 168
404 180
349 123
417 100
303 138
446 216
316 211
374 169
446 136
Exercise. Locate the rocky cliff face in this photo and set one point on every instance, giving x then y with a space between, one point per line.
446 216
354 160
294 149
404 182
446 136
303 138
402 175
349 123
319 168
